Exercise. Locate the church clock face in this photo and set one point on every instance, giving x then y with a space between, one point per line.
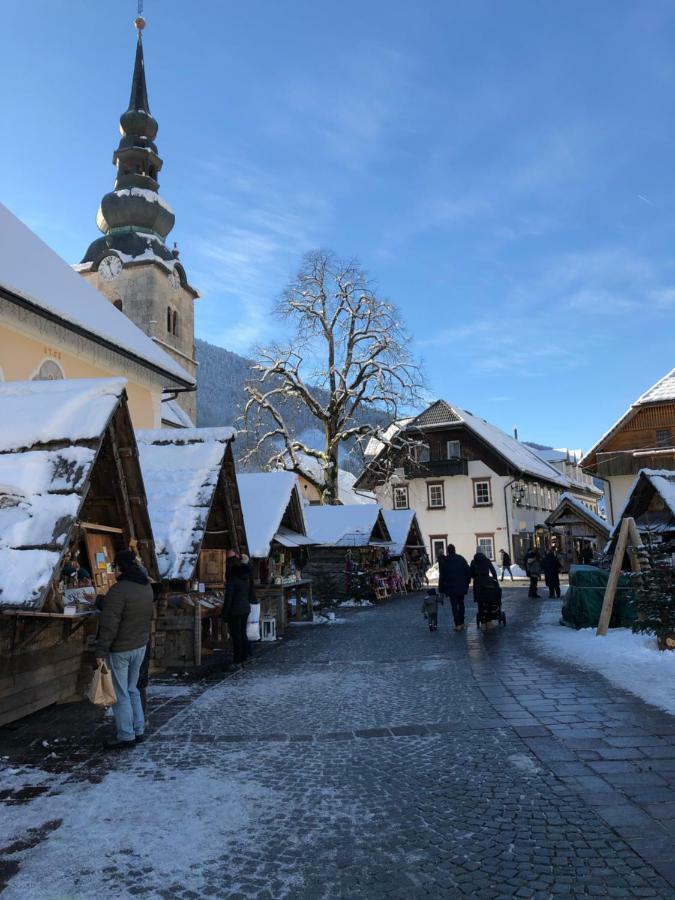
110 267
174 279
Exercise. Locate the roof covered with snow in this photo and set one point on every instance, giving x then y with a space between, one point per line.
347 492
265 497
662 480
399 522
661 392
348 526
181 468
175 416
567 500
32 271
44 473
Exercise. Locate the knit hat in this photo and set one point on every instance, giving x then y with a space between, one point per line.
125 559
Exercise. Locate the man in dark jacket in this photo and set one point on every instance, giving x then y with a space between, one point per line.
453 581
551 566
486 587
506 564
124 631
239 594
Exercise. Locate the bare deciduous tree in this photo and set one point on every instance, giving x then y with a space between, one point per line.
348 356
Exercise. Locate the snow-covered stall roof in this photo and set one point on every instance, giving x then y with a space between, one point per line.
661 392
567 499
344 526
399 522
663 482
181 467
42 484
265 497
347 491
32 271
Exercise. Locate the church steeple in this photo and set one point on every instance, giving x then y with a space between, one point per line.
133 216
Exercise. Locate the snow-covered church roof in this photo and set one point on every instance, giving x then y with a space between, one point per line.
49 442
34 273
345 526
181 468
265 497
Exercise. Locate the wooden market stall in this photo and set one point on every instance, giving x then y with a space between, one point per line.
575 527
71 496
278 545
651 503
196 515
352 553
408 552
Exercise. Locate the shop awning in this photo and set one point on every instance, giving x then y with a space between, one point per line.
288 538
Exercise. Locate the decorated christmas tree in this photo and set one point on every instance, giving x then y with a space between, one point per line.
655 595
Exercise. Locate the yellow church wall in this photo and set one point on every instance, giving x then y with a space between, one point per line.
21 356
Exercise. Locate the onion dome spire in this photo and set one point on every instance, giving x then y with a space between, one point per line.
133 216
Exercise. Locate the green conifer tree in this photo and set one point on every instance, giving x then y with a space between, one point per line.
655 594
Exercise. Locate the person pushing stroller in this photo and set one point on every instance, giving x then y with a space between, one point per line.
487 592
430 608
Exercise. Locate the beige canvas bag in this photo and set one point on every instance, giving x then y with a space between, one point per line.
102 690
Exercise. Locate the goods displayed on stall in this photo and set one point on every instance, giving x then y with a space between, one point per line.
352 555
196 516
278 543
71 495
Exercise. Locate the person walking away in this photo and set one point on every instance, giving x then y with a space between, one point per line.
239 593
123 634
506 564
533 569
551 566
430 605
485 580
454 576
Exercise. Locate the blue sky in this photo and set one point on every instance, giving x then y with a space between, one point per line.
504 170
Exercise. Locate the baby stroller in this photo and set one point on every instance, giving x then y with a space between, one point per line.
488 595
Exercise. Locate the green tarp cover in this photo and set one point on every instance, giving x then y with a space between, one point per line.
583 600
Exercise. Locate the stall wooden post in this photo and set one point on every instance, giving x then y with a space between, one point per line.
628 530
198 633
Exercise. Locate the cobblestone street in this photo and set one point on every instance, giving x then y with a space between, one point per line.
367 759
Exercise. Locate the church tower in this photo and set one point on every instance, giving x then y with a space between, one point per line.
131 264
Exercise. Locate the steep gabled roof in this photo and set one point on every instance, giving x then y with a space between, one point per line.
661 392
401 523
569 501
265 497
34 276
345 526
181 468
439 413
661 480
51 437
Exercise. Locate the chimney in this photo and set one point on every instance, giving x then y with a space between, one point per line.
515 432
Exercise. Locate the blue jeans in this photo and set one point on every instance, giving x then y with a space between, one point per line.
128 711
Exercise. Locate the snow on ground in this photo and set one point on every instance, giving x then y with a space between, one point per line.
354 604
167 691
630 661
114 826
319 619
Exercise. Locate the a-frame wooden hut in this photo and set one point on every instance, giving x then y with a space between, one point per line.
407 550
196 515
278 543
576 527
71 495
651 503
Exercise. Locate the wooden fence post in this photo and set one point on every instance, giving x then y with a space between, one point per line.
614 573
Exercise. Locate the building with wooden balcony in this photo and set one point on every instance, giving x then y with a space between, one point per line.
643 438
471 484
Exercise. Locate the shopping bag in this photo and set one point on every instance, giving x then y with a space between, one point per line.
253 623
102 690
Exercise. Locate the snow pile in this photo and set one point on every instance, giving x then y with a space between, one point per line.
355 604
516 571
32 271
180 469
347 526
265 497
73 409
630 661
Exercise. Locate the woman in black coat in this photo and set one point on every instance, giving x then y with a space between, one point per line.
239 594
454 576
551 566
485 584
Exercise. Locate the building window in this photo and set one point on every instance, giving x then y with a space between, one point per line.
49 371
486 544
175 322
439 544
420 453
168 319
453 450
401 499
118 304
436 495
482 495
664 437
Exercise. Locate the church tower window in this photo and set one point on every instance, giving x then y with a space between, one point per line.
175 322
168 319
118 304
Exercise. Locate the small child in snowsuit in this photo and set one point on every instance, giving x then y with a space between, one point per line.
430 608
